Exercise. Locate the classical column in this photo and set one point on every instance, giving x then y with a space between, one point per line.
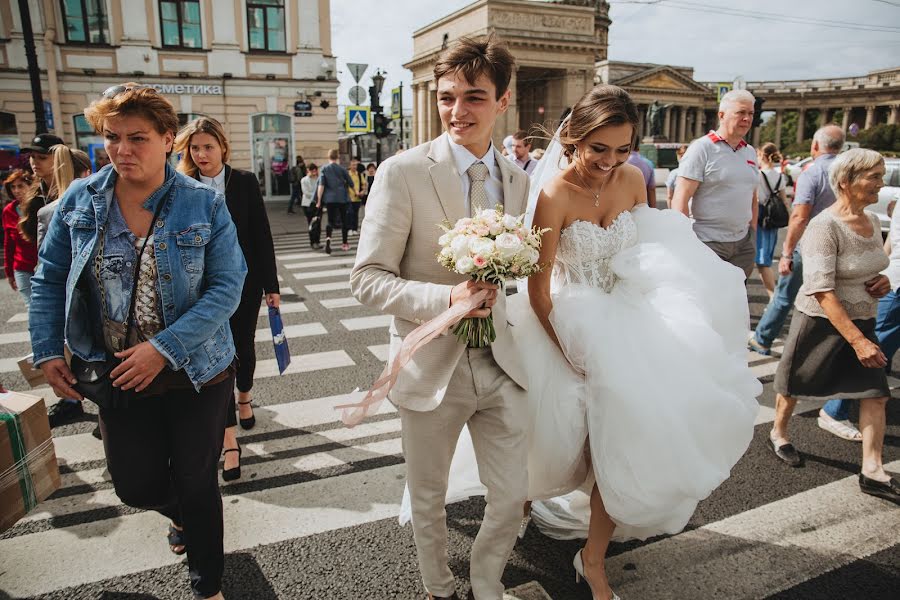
894 115
845 122
755 139
642 109
801 124
870 116
429 125
512 113
779 118
699 118
682 123
667 124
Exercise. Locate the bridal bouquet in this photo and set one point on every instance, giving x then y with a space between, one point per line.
494 247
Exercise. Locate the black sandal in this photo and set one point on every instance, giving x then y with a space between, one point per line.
248 423
235 473
176 539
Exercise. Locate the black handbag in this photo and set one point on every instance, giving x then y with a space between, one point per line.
93 377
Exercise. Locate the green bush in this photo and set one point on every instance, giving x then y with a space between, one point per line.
883 138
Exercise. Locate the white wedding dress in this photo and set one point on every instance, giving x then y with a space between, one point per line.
658 324
666 406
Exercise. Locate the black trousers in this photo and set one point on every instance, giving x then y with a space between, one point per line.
315 227
163 454
243 330
337 213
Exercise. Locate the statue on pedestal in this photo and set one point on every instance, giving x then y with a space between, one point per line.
656 115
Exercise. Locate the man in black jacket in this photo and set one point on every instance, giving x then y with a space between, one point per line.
333 192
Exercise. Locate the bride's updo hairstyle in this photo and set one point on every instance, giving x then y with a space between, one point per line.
603 105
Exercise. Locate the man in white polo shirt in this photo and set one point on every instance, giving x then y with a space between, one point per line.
719 176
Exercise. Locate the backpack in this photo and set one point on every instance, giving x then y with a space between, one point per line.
773 214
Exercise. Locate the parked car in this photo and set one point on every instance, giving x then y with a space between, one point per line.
889 194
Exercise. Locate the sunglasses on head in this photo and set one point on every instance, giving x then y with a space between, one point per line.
115 90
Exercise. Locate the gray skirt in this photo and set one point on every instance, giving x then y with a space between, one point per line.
819 363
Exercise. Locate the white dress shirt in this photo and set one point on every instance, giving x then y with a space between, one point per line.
217 183
493 185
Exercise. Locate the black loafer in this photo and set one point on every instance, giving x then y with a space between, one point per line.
887 490
787 453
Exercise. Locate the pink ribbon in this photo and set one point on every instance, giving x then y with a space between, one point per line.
354 414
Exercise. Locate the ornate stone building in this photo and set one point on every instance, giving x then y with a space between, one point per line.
561 50
244 63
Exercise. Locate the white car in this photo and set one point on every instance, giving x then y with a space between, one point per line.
889 194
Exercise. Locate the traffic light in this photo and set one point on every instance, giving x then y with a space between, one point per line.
381 126
374 99
757 111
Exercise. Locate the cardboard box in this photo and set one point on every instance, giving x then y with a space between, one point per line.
33 375
28 469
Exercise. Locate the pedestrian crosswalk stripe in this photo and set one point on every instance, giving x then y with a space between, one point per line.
791 541
305 363
300 256
381 351
18 318
285 308
322 274
372 322
332 303
328 287
330 262
16 337
287 291
292 331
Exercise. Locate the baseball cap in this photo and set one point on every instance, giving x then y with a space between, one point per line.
43 142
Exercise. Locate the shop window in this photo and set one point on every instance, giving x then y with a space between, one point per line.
87 139
180 21
271 123
85 21
9 142
265 25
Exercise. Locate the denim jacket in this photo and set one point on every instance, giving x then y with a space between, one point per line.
200 267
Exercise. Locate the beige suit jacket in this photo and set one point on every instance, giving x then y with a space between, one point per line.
397 272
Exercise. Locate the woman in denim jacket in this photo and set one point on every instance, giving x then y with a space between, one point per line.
162 450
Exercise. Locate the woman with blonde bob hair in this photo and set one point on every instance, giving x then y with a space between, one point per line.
833 346
640 409
68 165
204 151
138 274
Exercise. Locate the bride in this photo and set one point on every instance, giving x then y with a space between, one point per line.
634 341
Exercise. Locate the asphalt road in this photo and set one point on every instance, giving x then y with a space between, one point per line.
314 516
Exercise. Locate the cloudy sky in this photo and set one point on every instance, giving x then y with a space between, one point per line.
796 39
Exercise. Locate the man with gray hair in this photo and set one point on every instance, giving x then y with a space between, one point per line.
717 178
813 195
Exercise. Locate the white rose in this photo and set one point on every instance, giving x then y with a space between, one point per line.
495 228
465 265
460 246
510 222
508 245
489 215
445 239
482 246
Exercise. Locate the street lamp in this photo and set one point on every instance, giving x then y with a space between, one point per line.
379 120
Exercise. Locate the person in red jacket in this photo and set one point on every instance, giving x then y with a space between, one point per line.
20 255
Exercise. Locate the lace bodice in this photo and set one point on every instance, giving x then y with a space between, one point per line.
586 250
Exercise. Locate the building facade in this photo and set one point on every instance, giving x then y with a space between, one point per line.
246 63
561 49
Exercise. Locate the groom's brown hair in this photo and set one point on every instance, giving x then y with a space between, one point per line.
471 57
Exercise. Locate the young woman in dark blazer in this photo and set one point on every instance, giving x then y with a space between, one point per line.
204 153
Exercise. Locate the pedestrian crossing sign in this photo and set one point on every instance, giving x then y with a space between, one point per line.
356 119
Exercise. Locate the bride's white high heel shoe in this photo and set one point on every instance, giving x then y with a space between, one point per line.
578 563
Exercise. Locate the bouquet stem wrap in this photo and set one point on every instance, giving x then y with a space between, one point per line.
353 414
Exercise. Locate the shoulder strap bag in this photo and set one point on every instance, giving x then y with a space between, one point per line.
93 377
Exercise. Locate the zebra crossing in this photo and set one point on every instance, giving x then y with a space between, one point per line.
314 514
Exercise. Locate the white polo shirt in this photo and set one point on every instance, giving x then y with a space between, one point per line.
721 206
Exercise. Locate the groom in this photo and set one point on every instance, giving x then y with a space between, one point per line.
448 385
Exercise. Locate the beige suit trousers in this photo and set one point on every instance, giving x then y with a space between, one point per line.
483 396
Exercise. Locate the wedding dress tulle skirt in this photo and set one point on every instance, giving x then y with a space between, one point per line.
666 405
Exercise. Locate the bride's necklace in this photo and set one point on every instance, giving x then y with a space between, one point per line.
587 187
